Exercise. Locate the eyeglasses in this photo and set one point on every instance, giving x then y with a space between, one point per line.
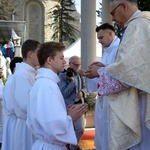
77 65
113 11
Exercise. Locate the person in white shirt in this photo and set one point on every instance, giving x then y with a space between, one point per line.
48 118
1 112
3 64
22 81
110 42
10 117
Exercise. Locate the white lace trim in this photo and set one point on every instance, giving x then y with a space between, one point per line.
109 84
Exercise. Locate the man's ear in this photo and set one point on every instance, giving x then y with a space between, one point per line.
49 60
125 6
29 54
110 33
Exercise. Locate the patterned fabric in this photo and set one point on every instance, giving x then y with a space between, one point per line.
132 68
78 82
109 84
132 64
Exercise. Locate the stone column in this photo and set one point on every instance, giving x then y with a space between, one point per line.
88 34
18 48
18 51
106 12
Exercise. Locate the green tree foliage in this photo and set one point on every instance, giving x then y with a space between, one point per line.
63 21
99 12
144 5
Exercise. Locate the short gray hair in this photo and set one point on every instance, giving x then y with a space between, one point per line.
130 1
73 57
133 2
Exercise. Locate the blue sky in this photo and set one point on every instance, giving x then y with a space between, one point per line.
78 7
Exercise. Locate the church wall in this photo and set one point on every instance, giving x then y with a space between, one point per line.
34 16
6 9
37 16
35 13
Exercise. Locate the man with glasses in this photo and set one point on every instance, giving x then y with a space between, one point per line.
127 81
113 11
72 86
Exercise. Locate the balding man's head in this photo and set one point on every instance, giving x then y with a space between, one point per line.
122 10
131 1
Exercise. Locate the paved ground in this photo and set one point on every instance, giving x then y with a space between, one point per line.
87 141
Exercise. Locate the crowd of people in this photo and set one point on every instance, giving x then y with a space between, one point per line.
30 120
44 103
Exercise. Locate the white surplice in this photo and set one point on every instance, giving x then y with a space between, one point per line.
102 107
47 115
10 117
23 79
1 112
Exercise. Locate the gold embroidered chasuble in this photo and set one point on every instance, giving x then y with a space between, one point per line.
132 67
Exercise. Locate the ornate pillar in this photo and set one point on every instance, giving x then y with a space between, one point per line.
88 34
105 12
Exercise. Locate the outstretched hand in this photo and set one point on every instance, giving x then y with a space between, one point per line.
92 70
96 63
